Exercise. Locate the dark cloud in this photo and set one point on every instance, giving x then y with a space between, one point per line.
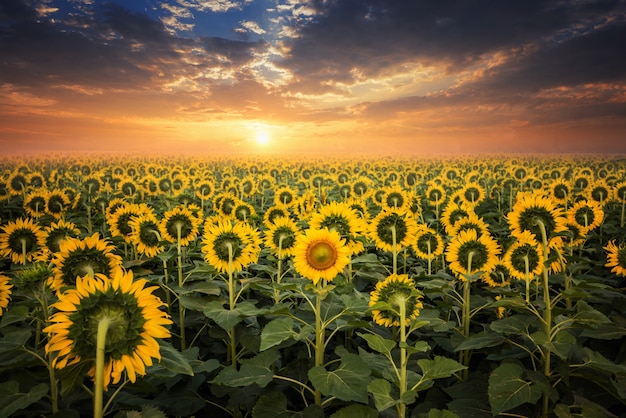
377 35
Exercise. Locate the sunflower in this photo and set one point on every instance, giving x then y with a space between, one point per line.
145 234
435 194
452 213
619 191
225 202
91 185
78 257
179 222
280 237
17 183
21 240
243 210
386 224
397 199
560 190
525 258
599 191
469 253
127 187
5 292
227 242
588 214
275 212
472 194
285 196
338 216
532 208
320 254
54 234
472 221
428 244
362 187
616 257
135 323
57 203
35 203
205 188
396 290
500 276
575 233
119 222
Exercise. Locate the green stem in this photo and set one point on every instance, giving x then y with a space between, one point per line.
394 249
319 341
103 327
231 304
547 318
181 308
466 316
403 358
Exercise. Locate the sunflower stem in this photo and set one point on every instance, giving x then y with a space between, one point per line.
181 308
319 338
466 316
403 358
547 318
103 327
623 216
394 245
231 304
23 241
527 278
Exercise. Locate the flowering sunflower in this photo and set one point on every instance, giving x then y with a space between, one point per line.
285 196
35 203
619 191
588 214
243 210
616 257
471 221
560 190
145 234
135 323
54 234
500 276
525 258
396 290
5 292
472 194
21 240
78 257
452 213
119 222
532 208
179 218
338 216
320 254
428 244
483 250
275 212
382 230
435 194
226 241
396 198
599 191
57 202
280 237
17 183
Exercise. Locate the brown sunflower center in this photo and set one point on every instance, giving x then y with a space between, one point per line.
321 255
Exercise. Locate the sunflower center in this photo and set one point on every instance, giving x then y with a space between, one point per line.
225 240
321 255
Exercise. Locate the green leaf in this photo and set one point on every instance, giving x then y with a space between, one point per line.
274 405
14 340
12 400
511 324
508 389
438 413
439 367
381 391
173 360
348 382
378 343
255 370
15 315
482 340
586 315
276 331
352 411
597 361
228 318
562 344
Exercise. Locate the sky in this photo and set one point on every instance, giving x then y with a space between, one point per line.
330 76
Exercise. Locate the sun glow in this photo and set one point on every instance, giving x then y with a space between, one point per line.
262 138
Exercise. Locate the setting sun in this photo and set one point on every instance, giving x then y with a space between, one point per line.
262 138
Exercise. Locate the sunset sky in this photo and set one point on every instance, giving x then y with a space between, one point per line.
340 76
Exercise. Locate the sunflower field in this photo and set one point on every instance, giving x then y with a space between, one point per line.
302 286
